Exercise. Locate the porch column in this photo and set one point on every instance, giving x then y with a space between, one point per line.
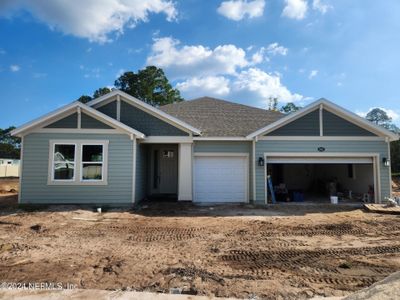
185 172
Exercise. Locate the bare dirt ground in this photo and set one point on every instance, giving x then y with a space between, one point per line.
285 252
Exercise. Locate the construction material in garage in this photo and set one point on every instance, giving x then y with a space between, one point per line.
299 182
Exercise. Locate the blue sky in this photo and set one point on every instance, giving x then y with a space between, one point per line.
51 52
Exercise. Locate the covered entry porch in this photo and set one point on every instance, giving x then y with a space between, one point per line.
163 170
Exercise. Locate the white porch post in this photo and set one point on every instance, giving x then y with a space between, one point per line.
185 192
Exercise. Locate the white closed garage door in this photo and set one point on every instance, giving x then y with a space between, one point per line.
220 178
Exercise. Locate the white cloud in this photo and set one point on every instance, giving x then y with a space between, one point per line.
390 112
313 73
276 49
321 6
239 9
261 86
198 60
15 68
201 86
92 19
295 9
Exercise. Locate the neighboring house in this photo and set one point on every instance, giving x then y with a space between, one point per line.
118 150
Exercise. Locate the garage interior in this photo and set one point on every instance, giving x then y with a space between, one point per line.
317 182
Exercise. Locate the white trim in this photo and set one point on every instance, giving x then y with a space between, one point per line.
72 108
254 165
390 169
375 157
77 162
21 170
185 172
222 138
321 138
79 125
134 149
148 108
224 154
167 140
230 154
78 131
321 120
118 108
333 108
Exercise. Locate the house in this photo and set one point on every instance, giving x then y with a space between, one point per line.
117 150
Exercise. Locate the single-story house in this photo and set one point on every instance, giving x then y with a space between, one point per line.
118 150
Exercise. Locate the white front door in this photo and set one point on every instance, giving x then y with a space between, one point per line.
221 179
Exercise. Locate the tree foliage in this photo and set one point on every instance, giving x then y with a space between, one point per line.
273 103
101 92
380 117
149 85
9 145
289 108
84 99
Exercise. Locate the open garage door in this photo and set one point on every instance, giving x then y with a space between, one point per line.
316 178
221 179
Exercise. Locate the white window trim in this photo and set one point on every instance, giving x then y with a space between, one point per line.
77 180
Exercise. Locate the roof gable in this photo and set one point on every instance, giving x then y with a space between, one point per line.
324 104
122 96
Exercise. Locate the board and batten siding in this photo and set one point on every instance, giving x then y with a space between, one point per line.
379 147
70 121
307 125
109 109
89 122
228 147
334 125
147 123
34 187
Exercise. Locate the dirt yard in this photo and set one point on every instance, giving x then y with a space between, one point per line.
286 252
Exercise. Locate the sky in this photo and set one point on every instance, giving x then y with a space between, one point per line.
245 51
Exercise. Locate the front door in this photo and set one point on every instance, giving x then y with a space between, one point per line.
165 169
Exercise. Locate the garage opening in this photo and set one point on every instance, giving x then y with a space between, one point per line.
318 180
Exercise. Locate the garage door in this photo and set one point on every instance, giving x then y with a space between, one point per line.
319 160
220 179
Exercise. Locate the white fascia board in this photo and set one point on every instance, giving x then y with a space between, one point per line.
42 119
329 106
71 108
146 107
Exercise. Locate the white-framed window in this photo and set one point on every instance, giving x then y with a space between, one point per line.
78 162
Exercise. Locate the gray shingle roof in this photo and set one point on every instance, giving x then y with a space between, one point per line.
220 118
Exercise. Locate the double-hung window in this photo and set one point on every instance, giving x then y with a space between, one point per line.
78 162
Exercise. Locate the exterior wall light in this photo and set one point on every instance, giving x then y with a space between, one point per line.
386 162
261 161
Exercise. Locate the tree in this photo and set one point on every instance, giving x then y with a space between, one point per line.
273 103
84 99
289 108
101 92
9 145
149 85
379 117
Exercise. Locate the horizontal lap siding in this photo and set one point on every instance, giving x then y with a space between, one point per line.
35 172
330 146
230 147
141 172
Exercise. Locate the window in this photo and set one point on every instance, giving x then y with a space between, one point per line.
64 162
92 162
78 162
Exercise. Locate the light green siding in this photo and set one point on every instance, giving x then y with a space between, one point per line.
307 125
146 123
230 147
92 123
109 109
34 187
70 121
331 146
334 125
